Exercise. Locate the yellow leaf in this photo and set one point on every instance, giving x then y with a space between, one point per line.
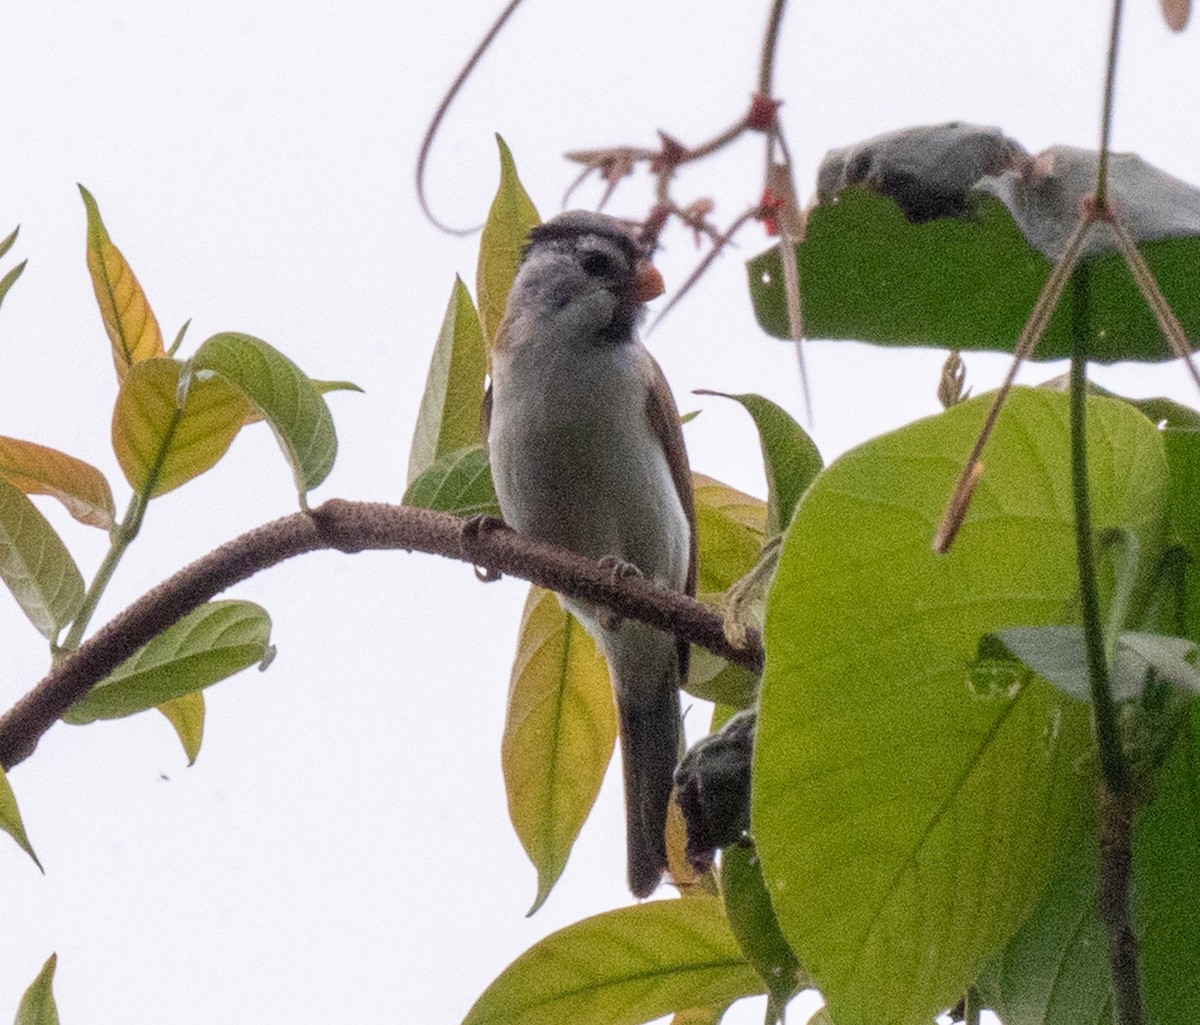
699 1016
735 505
558 735
128 319
730 525
186 714
508 222
449 418
38 470
160 446
10 818
687 880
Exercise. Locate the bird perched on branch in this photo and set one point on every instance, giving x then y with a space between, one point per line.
587 453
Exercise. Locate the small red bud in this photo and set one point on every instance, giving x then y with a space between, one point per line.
763 114
769 208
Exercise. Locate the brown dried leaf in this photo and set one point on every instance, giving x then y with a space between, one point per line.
1176 13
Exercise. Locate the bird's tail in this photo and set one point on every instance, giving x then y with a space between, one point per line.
646 680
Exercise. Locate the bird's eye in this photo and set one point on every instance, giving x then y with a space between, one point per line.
597 264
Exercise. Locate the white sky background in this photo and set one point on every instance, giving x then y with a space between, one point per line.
341 850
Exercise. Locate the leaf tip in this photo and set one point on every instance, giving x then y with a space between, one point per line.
7 243
89 202
545 885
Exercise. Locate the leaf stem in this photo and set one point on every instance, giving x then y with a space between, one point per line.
1115 875
1116 797
972 1009
1031 334
121 538
1112 758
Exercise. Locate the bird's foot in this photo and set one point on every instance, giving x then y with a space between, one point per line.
473 528
619 570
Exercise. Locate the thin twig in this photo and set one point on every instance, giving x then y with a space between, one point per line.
766 60
1116 872
444 105
1106 116
718 246
1031 334
354 527
795 309
1168 323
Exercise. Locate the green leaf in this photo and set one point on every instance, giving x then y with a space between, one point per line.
559 734
500 246
10 818
458 482
186 716
10 279
130 322
35 565
286 398
790 457
1059 656
7 243
325 387
711 678
449 418
754 925
1055 970
37 1006
962 283
209 644
1162 411
1159 410
721 714
908 821
1168 413
38 470
1166 864
1183 458
623 967
161 446
179 336
1173 659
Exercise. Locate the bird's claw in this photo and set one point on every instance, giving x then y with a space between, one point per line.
619 570
473 528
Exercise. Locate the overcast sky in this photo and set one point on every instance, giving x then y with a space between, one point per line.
341 850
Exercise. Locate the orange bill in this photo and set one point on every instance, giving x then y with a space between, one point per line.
647 282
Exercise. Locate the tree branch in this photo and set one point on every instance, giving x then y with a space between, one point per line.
354 527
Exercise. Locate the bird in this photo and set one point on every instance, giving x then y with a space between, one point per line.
586 452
